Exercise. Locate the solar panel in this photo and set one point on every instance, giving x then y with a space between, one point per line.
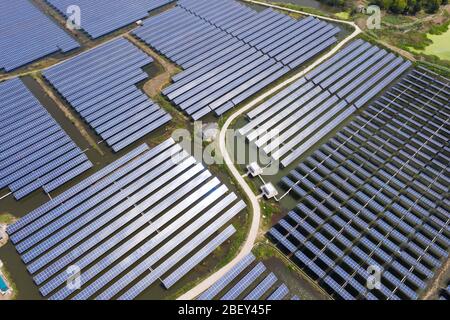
281 292
200 255
286 243
244 283
43 233
77 237
111 274
32 216
101 82
220 88
175 258
167 247
103 17
262 287
371 160
31 35
118 237
34 153
218 286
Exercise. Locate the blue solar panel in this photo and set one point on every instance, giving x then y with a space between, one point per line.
36 152
63 197
279 293
262 287
244 283
149 199
118 237
208 84
30 36
101 86
218 286
105 16
198 257
176 257
385 212
123 200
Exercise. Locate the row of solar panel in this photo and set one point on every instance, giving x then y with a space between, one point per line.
238 281
144 205
101 86
277 35
222 67
35 151
295 119
241 80
28 35
101 17
390 210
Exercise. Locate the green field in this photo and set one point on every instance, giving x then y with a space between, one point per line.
440 46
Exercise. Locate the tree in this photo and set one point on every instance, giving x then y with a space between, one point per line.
414 6
432 6
383 4
398 6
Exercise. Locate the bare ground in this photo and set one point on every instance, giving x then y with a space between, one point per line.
154 86
438 282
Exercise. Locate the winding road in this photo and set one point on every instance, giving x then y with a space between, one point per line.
256 214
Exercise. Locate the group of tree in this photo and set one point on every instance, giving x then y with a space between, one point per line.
334 3
399 6
410 6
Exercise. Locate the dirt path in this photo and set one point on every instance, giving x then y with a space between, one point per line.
401 52
68 114
154 86
433 290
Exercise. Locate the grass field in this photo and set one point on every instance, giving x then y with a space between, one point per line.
440 46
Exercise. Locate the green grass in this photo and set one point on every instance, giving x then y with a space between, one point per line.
6 218
439 43
300 8
344 15
396 19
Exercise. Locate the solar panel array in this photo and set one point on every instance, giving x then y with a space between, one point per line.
128 225
101 86
298 117
247 281
100 17
229 51
376 194
28 35
34 151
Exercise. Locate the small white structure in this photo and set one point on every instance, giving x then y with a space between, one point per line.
139 22
254 169
269 190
